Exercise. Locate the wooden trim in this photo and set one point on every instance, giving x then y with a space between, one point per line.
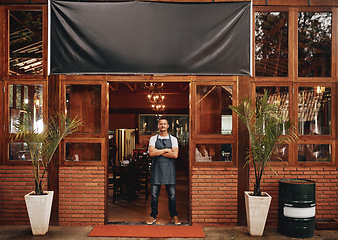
53 96
127 78
105 129
315 141
334 59
3 35
243 91
104 105
44 10
2 119
104 156
293 44
214 79
193 133
6 133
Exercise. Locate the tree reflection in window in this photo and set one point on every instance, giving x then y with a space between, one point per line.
271 39
314 110
314 44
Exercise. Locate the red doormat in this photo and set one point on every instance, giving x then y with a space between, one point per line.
144 231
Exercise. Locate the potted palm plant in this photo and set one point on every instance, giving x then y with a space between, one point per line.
269 128
41 148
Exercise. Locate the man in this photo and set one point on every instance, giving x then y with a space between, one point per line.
163 147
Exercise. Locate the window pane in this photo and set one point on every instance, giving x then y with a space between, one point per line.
314 44
83 152
26 101
213 115
271 44
314 110
178 127
213 152
18 151
280 154
25 42
84 101
278 95
314 153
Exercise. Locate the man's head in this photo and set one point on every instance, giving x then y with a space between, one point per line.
163 124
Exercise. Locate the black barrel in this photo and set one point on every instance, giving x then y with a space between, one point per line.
296 209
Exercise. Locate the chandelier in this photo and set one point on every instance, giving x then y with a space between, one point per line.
155 97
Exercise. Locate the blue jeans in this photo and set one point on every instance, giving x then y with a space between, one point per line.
155 192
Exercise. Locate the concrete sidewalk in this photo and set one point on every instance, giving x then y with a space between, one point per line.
211 232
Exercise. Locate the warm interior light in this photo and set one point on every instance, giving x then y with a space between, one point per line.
155 97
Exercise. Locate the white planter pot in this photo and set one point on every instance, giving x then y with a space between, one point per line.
39 209
257 209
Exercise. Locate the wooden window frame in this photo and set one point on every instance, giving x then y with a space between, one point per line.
317 139
290 56
333 45
323 141
332 136
212 138
101 137
101 141
6 135
44 9
104 92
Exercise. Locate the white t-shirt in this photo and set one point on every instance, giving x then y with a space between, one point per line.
174 142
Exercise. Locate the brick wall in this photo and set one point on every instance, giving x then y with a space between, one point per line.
82 198
326 179
15 183
214 195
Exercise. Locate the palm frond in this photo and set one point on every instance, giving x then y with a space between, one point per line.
42 146
266 126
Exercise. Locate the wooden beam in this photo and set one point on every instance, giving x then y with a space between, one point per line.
130 87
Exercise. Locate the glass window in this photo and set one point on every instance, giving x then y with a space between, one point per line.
18 151
271 44
314 44
26 101
213 153
25 42
278 96
280 154
84 102
314 110
314 153
178 126
213 115
83 152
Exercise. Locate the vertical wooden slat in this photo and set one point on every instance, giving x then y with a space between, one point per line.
54 96
293 45
244 91
105 130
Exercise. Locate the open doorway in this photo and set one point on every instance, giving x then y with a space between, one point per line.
132 121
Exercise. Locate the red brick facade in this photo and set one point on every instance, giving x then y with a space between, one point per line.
214 195
15 183
326 179
82 195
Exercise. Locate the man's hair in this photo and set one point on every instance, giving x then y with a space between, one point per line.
162 118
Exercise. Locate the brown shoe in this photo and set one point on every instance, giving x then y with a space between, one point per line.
176 221
151 221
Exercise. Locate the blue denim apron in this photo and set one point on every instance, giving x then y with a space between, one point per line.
163 168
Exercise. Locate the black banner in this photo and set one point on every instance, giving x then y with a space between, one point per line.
149 38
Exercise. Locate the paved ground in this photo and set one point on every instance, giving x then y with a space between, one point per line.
211 232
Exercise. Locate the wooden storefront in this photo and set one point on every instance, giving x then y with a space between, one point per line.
215 187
